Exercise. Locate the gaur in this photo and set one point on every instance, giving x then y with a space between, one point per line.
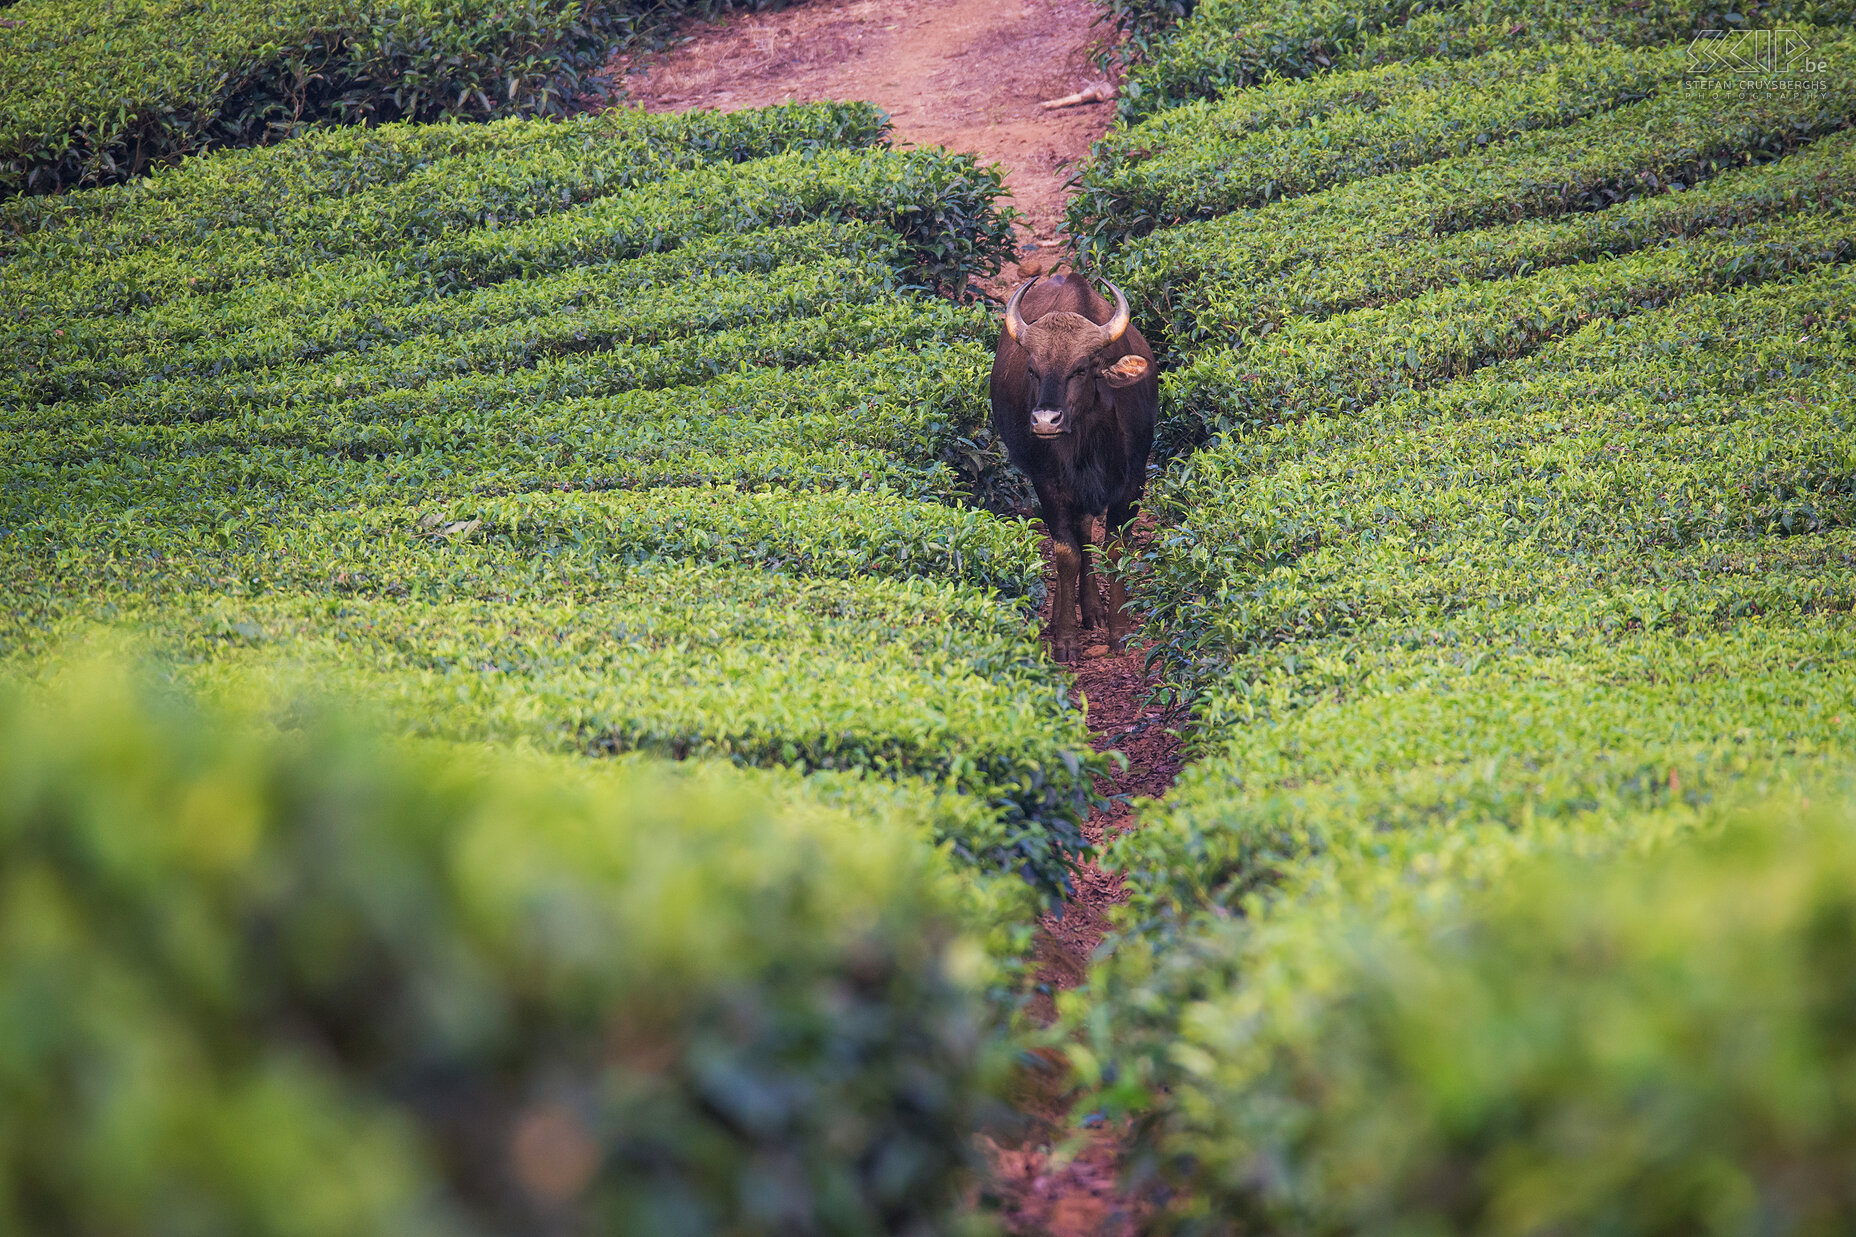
1074 396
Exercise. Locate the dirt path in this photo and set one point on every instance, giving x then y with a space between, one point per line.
1084 1198
969 75
965 74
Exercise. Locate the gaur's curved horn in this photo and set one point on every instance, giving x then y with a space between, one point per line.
1118 325
1014 321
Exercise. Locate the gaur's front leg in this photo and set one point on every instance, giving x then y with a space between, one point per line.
1088 593
1066 552
1068 556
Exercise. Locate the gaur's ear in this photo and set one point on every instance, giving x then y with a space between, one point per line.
1126 372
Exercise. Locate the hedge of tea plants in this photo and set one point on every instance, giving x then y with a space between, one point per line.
307 980
1656 1042
1330 216
1291 138
1652 483
1516 552
1226 45
626 472
557 439
96 91
1579 603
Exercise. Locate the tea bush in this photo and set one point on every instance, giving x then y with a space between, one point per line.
662 459
765 274
1292 138
1656 1043
618 467
1671 143
428 234
263 186
304 981
1517 542
1816 180
1226 45
1662 475
1136 27
587 654
95 92
1349 362
1578 603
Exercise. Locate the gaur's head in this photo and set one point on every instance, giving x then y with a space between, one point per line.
1064 360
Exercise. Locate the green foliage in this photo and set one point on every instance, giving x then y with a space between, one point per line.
839 535
501 170
304 981
1244 273
380 347
578 650
1398 755
334 316
94 91
1819 179
1348 363
1227 45
1577 603
183 454
1516 342
1137 27
1670 473
1521 532
671 469
505 215
1291 138
1658 1044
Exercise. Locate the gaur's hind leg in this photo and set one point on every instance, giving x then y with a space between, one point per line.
1115 548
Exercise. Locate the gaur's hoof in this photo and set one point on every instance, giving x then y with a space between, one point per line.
1065 649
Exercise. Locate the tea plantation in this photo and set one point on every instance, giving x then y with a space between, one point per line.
95 91
619 467
519 714
1506 560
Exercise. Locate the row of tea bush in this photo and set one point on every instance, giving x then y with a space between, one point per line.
97 91
1668 158
303 980
1587 602
1510 587
1223 46
620 469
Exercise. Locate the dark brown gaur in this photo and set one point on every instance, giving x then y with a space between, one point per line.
1074 396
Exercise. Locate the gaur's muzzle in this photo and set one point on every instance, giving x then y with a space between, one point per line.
1048 422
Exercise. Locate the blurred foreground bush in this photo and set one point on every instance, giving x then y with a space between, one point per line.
1657 1045
259 981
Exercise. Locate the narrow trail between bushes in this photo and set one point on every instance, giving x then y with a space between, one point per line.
1038 1192
964 74
969 75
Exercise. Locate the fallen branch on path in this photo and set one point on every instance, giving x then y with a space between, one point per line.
1094 92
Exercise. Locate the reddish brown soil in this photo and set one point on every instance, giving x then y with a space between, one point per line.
1039 1192
969 75
964 74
